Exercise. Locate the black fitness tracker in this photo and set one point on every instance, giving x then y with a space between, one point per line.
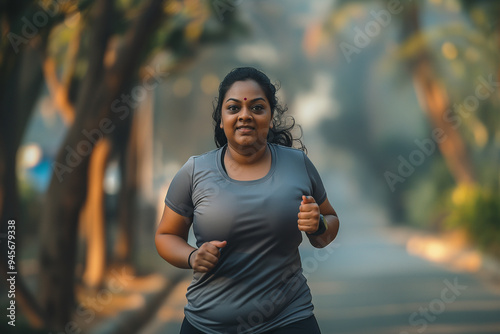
322 227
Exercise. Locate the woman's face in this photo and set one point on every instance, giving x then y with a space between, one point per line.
246 116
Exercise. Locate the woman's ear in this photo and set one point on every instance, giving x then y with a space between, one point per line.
271 125
220 125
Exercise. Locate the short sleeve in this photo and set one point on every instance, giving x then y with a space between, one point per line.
319 192
180 190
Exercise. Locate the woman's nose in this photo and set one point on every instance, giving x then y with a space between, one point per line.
245 114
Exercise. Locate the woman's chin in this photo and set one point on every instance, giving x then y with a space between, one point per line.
249 143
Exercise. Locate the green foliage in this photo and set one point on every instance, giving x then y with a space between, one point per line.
420 202
477 210
423 198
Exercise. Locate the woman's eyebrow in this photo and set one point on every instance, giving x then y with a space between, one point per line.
236 100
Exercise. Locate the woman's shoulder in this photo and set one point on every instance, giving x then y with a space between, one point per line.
288 151
205 155
203 160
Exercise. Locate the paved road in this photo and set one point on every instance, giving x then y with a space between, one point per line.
368 283
372 285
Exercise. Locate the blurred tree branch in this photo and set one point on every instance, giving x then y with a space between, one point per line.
433 98
92 217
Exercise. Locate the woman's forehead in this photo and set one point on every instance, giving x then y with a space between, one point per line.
245 89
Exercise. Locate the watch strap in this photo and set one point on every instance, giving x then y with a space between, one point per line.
322 226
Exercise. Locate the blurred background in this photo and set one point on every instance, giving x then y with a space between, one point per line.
101 102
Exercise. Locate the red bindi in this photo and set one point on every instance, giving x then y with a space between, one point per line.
245 99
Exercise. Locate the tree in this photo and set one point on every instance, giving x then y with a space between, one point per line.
99 89
434 99
21 76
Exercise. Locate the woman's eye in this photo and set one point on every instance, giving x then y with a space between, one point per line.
232 108
258 108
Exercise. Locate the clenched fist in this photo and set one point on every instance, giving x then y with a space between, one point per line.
308 215
207 256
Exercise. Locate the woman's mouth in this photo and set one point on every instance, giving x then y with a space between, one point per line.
245 129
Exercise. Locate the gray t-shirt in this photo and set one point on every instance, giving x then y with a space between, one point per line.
258 284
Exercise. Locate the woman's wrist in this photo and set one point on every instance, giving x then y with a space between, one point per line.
322 226
189 258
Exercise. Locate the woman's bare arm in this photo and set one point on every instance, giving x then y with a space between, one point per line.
171 243
171 238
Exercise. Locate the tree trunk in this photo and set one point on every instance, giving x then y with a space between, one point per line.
433 98
128 191
93 218
21 81
68 186
137 169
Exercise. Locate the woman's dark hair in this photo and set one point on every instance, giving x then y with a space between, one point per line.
280 133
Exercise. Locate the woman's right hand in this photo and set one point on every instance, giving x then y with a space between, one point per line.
207 256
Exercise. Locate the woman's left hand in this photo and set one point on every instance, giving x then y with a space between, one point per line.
308 215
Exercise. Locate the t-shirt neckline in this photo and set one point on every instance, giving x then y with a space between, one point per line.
249 182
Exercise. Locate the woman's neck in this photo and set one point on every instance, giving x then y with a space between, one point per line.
247 156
